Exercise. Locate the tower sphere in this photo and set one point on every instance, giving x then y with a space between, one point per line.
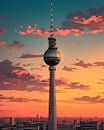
52 56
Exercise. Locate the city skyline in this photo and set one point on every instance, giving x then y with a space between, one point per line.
24 77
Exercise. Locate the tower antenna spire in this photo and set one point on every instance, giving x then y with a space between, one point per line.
52 19
52 57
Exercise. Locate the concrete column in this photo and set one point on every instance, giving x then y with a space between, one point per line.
52 123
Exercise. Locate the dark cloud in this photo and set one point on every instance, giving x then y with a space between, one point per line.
2 30
61 82
14 77
96 11
77 85
88 99
71 69
16 45
6 69
82 64
99 64
101 81
19 99
31 55
17 78
91 19
80 13
43 65
26 65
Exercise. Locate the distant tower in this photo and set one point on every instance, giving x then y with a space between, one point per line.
52 58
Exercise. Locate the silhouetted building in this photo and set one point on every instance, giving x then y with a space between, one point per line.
89 125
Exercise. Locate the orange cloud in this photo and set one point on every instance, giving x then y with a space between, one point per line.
19 72
77 32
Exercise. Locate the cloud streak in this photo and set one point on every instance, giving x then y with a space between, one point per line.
88 99
99 64
77 85
15 45
81 63
30 55
69 69
19 99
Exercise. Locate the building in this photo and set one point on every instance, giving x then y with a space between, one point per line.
89 125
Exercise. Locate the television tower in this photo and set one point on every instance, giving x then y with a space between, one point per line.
52 58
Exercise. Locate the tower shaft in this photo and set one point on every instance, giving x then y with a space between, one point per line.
52 123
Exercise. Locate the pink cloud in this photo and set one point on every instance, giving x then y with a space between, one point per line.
2 43
31 30
58 31
93 23
34 30
19 78
89 20
62 32
6 83
2 30
77 31
73 44
35 76
95 31
76 23
19 72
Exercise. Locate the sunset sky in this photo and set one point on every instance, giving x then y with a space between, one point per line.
24 32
